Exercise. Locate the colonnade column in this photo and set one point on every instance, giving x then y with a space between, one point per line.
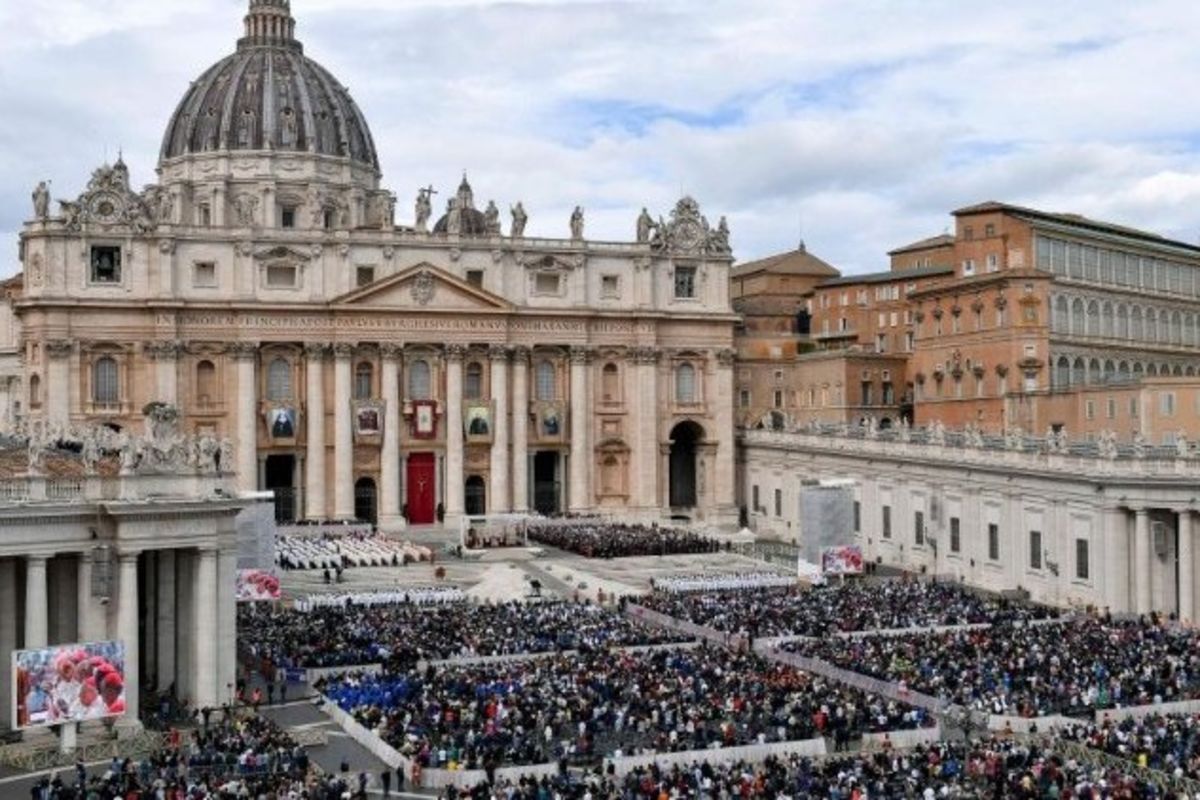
127 632
721 480
1116 560
8 635
454 433
165 608
245 354
92 624
389 468
205 630
580 496
343 434
498 495
520 429
314 396
56 389
37 629
645 405
1187 593
1141 560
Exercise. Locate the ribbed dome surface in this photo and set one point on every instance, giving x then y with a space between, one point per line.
269 96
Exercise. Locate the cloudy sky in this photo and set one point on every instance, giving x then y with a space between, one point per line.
855 124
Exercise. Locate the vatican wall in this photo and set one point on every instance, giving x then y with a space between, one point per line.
1068 529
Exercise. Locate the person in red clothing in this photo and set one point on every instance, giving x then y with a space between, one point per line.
112 691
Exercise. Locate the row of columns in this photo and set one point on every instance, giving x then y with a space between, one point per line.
185 644
1149 577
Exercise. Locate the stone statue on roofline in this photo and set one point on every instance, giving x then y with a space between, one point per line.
519 218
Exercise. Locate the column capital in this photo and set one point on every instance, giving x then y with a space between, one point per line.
520 355
499 352
455 353
391 351
128 556
163 350
60 348
244 351
344 350
317 351
645 355
726 356
36 559
582 355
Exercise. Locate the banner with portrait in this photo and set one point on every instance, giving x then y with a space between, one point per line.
424 419
368 419
479 421
257 585
68 683
281 422
842 560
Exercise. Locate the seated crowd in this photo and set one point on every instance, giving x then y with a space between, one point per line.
1166 742
401 635
357 550
988 768
1072 668
598 704
601 539
413 595
722 582
824 610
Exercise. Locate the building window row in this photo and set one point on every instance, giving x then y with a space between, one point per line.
1113 267
1080 371
1076 316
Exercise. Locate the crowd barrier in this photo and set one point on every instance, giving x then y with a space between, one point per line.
1164 781
1000 722
892 691
317 673
475 661
897 632
901 740
701 632
752 753
1138 712
322 530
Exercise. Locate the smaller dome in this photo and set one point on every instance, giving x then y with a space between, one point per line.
472 221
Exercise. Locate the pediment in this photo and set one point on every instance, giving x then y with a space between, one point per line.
423 288
281 253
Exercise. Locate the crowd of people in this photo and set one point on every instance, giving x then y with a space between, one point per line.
1166 742
601 539
351 550
722 582
987 768
1070 668
412 595
600 704
821 611
400 635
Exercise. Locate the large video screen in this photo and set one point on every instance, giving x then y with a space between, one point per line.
68 683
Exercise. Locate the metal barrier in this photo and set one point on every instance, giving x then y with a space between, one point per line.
660 620
38 756
1103 760
892 691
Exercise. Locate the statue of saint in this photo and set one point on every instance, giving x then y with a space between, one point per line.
453 218
519 218
577 224
645 226
491 219
41 201
424 209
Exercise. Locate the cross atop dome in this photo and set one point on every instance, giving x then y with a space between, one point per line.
269 23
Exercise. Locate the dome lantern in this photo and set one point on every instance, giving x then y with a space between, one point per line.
269 23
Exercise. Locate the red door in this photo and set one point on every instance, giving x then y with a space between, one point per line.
420 488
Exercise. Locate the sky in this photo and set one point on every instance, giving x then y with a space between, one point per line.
855 125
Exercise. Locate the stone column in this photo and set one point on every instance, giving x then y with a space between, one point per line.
205 629
245 355
314 395
8 636
1116 561
646 437
343 433
166 369
581 493
226 619
454 434
92 623
56 387
499 501
1187 591
127 632
37 629
389 467
165 608
1141 560
520 429
720 406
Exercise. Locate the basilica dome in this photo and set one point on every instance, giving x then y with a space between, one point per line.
269 96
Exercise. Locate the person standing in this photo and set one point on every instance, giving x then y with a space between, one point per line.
385 778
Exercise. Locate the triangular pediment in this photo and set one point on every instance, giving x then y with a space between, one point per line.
423 288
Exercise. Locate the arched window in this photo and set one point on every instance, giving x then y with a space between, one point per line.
419 381
1106 321
364 375
610 476
1093 373
106 390
206 383
1093 319
279 380
1136 331
35 392
1122 322
1151 325
685 384
546 391
1062 374
610 383
473 383
1062 315
1176 328
1078 373
1077 318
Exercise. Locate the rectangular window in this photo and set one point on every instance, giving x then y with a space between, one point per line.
955 535
779 502
204 216
1090 409
919 528
993 541
106 264
754 494
546 283
744 398
1133 407
1082 564
857 517
968 268
364 276
610 287
866 393
287 217
909 340
1035 549
204 275
1166 404
685 283
1112 408
778 399
281 277
475 278
989 230
993 263
887 522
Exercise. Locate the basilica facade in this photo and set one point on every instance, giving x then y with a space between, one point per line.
364 368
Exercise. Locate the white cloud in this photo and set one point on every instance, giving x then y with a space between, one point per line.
858 125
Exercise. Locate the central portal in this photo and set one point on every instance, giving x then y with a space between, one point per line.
421 485
546 485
